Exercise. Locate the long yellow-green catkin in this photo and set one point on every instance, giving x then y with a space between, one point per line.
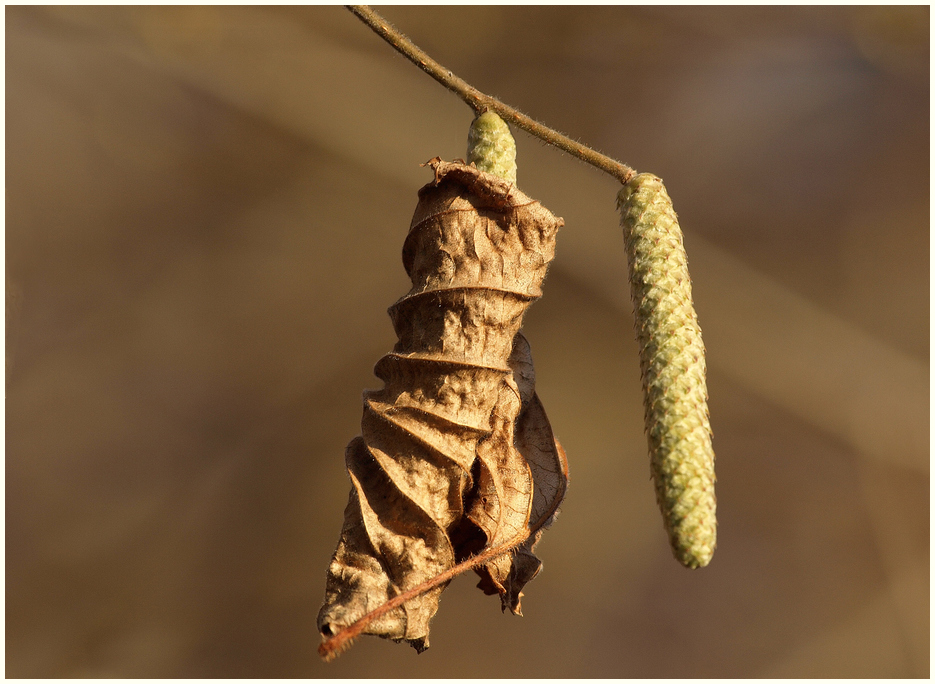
491 147
673 369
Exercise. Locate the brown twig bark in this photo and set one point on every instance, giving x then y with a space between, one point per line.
480 102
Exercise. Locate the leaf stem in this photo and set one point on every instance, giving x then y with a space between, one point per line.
480 102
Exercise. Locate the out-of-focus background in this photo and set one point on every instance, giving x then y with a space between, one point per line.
205 209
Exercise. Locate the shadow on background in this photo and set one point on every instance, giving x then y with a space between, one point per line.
205 212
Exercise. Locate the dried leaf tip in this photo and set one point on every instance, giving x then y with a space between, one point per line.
672 365
491 147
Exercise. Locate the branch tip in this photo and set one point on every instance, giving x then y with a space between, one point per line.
479 102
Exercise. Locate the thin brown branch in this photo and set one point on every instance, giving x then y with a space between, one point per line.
480 102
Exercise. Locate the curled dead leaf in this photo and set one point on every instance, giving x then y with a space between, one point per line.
457 466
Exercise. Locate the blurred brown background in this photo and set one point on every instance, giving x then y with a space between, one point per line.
205 213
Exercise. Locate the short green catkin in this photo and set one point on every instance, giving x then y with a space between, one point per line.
491 147
673 369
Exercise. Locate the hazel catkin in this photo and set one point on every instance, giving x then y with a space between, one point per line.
491 146
672 365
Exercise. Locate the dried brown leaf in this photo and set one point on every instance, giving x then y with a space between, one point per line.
457 466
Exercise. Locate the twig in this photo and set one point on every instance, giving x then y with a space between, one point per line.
480 102
333 646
